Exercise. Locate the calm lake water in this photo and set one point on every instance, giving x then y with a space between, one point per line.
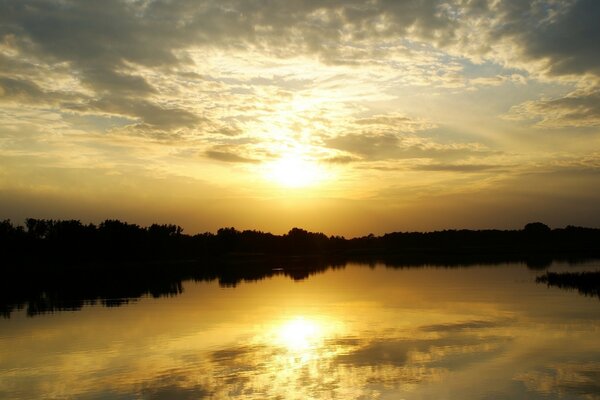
360 332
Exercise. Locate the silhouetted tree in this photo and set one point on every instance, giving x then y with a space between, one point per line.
228 239
537 228
38 228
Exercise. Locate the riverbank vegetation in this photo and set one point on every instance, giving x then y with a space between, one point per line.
73 241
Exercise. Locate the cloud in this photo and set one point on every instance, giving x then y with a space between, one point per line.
381 137
564 35
394 122
15 90
148 112
498 80
141 59
100 40
226 156
390 146
579 109
195 88
369 146
466 168
341 159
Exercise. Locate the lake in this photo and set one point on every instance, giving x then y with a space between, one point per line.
357 332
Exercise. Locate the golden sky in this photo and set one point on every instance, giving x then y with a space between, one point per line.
346 117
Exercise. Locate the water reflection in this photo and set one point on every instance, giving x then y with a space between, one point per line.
356 333
565 379
45 289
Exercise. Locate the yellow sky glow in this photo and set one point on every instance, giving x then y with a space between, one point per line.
378 116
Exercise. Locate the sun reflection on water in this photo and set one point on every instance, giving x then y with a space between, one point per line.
302 340
300 334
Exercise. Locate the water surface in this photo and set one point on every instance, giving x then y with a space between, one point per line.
360 332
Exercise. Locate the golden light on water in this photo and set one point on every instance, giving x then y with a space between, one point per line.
304 343
300 334
410 333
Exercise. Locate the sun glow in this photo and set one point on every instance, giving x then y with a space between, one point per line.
295 172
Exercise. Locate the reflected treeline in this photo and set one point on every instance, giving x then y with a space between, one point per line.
44 288
586 283
62 265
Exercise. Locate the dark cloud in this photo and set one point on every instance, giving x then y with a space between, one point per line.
226 156
16 89
100 39
24 91
389 146
97 35
342 159
104 44
97 40
109 82
147 111
150 116
563 34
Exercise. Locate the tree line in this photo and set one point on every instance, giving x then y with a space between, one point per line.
71 240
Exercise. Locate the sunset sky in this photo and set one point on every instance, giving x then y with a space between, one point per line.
346 117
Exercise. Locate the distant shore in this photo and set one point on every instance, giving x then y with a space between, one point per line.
70 241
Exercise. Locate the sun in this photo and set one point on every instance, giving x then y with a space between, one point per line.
293 171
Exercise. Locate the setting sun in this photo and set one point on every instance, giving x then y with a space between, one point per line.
295 172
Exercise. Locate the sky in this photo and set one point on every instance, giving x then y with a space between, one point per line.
344 117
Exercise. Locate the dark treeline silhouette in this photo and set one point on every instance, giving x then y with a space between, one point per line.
586 283
70 240
50 265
